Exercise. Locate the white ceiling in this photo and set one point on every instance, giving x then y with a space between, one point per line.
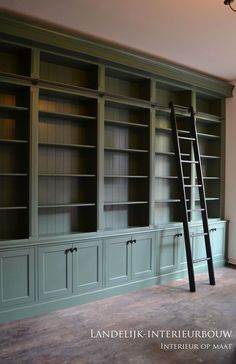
196 33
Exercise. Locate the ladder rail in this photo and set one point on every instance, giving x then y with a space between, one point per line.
182 199
202 196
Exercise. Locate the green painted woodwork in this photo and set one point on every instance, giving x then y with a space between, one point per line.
38 34
55 271
118 261
217 241
87 163
17 277
143 256
126 261
167 247
87 267
63 273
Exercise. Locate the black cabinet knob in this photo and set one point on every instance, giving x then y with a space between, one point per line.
69 250
134 241
129 242
74 250
178 235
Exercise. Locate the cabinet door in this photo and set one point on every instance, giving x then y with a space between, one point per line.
143 256
118 260
55 271
87 266
167 251
198 246
17 277
217 233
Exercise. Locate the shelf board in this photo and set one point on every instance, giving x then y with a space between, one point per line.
168 200
209 117
165 110
13 174
126 100
172 154
125 124
123 176
169 177
62 145
66 175
67 86
14 141
211 178
210 156
43 206
54 114
125 203
209 199
208 136
13 207
110 149
13 108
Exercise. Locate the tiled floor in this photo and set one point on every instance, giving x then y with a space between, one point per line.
65 336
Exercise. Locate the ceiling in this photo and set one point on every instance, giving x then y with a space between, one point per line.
195 33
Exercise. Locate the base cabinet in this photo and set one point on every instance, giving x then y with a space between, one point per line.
168 251
55 271
87 267
67 269
16 277
51 276
129 258
218 235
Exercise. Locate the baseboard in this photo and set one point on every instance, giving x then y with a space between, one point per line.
231 261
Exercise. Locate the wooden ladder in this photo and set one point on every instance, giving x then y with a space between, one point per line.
180 136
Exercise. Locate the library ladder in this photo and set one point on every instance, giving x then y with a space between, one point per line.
190 136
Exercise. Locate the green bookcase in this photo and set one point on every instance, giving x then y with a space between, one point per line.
89 201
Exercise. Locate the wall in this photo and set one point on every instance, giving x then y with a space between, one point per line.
230 186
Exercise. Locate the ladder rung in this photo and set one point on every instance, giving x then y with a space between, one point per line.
187 161
186 138
197 234
192 185
195 210
201 260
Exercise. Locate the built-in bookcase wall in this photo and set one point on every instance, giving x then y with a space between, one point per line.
135 149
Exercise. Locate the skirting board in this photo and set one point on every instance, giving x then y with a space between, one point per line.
232 261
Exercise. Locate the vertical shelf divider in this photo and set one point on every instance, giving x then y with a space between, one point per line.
152 166
33 198
100 163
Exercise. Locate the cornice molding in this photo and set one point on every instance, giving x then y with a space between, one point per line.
40 36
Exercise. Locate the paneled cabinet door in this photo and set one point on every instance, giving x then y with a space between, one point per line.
217 234
87 266
55 271
142 256
168 246
118 260
17 277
